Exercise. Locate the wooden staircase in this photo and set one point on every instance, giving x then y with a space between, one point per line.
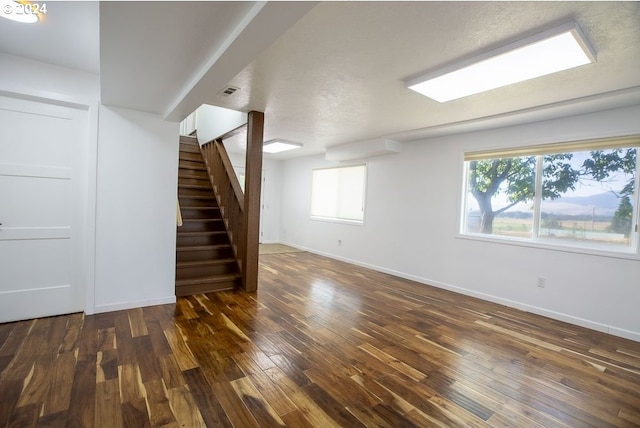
204 257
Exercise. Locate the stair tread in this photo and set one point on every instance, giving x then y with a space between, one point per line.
192 207
212 278
189 174
206 185
202 247
201 220
182 195
192 263
203 233
204 180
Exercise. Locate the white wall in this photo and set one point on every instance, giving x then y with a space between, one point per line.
136 216
411 226
212 122
30 79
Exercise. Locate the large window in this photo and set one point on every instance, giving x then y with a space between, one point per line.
581 194
338 193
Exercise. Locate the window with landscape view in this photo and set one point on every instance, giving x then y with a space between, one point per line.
580 194
338 193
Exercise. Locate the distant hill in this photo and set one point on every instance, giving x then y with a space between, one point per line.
605 205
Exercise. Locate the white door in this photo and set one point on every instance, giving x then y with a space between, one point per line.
41 186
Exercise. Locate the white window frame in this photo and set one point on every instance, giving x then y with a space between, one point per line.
628 252
340 219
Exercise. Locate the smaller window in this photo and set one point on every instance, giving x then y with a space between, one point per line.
338 193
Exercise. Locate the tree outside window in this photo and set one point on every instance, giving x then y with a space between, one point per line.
584 195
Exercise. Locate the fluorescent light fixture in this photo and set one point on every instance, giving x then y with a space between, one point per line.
26 13
277 146
554 50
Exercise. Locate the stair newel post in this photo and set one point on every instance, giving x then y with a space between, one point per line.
252 189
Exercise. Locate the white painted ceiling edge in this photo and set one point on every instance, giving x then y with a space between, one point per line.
600 102
362 150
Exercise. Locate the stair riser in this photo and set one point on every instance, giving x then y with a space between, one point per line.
190 164
190 173
185 155
201 226
186 201
190 148
182 191
191 241
202 181
190 213
211 254
205 271
207 287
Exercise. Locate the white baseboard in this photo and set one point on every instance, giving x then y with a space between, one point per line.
134 304
593 325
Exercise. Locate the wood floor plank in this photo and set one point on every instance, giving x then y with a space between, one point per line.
108 410
158 407
321 344
212 412
180 350
184 408
130 383
277 399
37 381
83 396
259 407
25 416
58 397
134 413
136 322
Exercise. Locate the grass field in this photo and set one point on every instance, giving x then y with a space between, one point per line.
596 231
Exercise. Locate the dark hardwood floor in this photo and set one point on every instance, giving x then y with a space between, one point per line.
322 343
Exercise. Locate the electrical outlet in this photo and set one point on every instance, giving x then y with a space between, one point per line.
542 282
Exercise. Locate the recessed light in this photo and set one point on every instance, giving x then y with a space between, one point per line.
25 13
277 146
554 50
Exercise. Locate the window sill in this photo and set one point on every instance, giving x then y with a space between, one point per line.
338 220
627 255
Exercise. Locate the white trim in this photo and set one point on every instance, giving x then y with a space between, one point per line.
134 304
48 98
91 192
540 244
593 325
35 171
271 241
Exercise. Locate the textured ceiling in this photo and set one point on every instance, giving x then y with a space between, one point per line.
332 72
337 75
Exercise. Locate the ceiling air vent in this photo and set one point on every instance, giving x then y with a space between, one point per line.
228 90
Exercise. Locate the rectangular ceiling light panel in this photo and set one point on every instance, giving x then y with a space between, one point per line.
277 146
554 50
